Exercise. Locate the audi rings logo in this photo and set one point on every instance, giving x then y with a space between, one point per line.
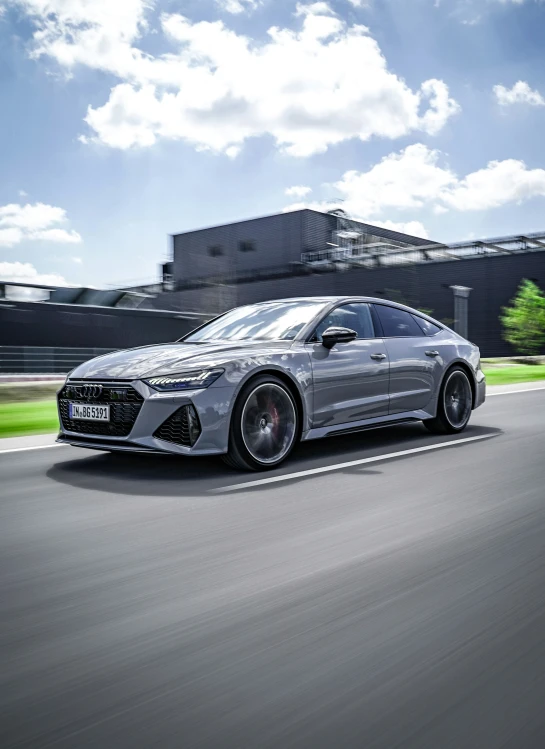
90 392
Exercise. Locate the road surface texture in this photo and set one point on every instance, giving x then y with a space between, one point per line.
396 603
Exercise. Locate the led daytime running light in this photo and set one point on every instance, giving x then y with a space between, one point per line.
191 380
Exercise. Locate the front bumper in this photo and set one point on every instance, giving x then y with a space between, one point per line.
480 390
211 404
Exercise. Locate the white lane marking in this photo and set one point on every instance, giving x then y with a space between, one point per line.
25 449
349 464
512 392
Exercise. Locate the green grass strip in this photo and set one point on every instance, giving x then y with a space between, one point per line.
512 374
32 417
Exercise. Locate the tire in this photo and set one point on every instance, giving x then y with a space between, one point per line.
454 405
264 425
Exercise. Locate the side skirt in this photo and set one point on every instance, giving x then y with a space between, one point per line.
364 425
351 430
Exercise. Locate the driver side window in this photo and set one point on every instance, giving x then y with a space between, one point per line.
354 316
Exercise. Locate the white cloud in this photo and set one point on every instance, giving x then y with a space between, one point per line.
414 228
232 151
315 9
499 183
408 179
217 88
97 33
36 221
31 217
10 237
61 236
521 93
360 3
27 273
298 191
441 108
414 179
237 6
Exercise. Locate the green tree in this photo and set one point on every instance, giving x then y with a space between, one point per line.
524 320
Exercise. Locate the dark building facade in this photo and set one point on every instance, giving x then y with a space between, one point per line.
301 254
248 248
74 326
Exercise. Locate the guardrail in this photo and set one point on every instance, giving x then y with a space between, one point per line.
44 360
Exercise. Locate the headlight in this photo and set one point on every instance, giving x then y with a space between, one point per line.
202 378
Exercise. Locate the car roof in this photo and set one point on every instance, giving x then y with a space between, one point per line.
352 298
330 299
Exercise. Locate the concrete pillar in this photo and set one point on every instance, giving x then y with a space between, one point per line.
461 309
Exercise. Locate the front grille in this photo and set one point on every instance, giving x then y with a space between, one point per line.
124 401
111 393
182 428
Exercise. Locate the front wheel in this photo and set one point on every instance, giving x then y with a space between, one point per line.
454 406
264 425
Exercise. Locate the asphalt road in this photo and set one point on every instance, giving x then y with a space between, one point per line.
392 604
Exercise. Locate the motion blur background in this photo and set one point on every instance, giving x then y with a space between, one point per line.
300 253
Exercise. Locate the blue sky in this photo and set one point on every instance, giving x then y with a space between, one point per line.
124 122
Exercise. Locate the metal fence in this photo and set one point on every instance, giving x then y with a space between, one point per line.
43 359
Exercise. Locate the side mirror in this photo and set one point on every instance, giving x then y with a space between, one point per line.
331 336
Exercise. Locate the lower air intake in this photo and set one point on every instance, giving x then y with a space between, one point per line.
182 428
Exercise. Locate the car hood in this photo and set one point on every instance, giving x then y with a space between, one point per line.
171 358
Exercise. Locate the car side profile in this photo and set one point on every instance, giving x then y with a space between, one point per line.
253 382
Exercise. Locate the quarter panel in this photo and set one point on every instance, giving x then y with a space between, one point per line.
414 377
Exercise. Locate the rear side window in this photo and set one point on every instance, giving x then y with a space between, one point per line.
396 323
428 327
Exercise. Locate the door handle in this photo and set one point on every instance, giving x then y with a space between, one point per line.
378 357
432 353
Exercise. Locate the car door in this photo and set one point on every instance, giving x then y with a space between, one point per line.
415 365
351 379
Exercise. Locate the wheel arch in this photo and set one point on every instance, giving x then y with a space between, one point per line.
462 364
289 381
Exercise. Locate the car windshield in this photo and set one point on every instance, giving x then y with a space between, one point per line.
266 322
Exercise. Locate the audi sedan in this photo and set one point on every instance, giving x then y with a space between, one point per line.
256 380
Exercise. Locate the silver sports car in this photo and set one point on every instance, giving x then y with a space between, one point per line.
254 381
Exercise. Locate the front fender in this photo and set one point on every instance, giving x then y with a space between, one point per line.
294 365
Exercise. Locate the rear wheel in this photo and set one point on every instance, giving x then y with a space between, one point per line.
264 425
455 404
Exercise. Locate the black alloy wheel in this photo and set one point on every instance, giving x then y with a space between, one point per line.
455 404
264 425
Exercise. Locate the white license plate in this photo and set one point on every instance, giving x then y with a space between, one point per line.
86 412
